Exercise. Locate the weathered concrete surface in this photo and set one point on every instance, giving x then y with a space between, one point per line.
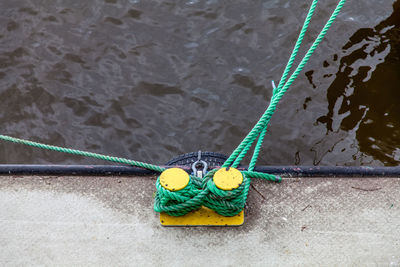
109 221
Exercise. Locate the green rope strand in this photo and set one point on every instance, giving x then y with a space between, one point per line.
242 154
83 153
261 175
297 45
283 80
257 149
265 118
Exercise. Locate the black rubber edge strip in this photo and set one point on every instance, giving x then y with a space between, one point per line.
113 170
327 171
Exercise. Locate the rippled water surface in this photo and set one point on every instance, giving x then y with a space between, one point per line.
149 80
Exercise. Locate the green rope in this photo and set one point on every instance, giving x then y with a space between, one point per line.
203 192
176 203
83 153
238 154
283 80
257 149
297 45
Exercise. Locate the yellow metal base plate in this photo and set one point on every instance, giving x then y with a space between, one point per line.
202 217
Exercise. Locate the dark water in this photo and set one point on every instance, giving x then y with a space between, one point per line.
149 80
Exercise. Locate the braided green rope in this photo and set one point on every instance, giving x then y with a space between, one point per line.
83 153
297 45
283 80
257 149
175 202
203 191
238 154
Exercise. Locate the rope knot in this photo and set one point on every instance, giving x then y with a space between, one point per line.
224 191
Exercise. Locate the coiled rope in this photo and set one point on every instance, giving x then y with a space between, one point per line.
203 191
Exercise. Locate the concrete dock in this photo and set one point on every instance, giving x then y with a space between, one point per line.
109 221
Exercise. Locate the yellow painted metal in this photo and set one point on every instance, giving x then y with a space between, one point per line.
202 217
228 178
174 179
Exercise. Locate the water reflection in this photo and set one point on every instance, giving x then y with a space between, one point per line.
364 95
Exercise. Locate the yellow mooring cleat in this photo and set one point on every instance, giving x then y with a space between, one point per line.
227 179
